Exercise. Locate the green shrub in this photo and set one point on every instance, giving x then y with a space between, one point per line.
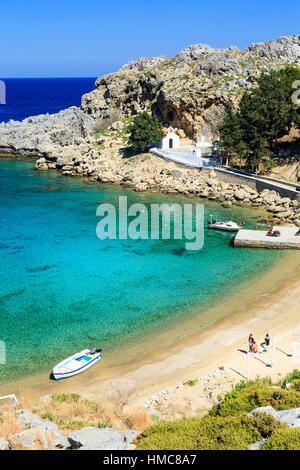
209 433
266 424
296 385
191 382
66 397
284 439
295 375
48 415
144 130
103 425
248 396
228 426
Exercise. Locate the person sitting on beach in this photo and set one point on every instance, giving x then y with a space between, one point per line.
254 347
261 348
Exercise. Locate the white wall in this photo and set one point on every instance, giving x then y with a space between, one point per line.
165 143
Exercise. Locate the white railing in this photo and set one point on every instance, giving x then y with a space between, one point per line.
12 396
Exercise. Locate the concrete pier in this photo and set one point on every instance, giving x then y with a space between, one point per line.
259 238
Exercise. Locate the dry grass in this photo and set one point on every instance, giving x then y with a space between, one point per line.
8 423
70 412
25 402
140 420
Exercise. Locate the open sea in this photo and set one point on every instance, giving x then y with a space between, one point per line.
62 289
31 96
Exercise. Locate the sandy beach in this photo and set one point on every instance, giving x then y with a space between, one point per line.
271 304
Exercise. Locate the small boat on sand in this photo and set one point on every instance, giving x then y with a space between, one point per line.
77 363
229 226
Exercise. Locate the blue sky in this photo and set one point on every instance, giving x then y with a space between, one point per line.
88 38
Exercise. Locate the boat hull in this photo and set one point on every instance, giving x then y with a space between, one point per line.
224 229
75 364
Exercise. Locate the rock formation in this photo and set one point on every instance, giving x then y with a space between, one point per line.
188 92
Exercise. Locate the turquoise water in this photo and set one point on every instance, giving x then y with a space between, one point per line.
63 289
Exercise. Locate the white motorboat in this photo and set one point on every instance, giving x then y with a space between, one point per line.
76 364
229 226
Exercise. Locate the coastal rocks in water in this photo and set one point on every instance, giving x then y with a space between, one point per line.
103 439
227 204
46 134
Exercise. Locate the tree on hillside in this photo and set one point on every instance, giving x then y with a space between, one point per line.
265 114
231 137
267 107
144 130
289 76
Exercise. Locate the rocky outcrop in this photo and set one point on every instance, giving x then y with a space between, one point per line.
102 439
36 433
45 435
4 445
290 417
46 134
27 419
148 171
189 91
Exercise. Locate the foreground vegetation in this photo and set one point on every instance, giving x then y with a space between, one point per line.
228 426
70 412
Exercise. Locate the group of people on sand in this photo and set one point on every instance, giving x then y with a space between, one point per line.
255 348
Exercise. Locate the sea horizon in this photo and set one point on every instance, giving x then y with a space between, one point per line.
27 97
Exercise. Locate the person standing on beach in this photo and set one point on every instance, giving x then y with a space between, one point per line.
267 339
251 341
254 347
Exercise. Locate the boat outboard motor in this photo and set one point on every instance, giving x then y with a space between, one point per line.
95 350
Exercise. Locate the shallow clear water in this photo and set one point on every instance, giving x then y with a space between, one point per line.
63 289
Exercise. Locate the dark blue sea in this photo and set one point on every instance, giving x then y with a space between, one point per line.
31 96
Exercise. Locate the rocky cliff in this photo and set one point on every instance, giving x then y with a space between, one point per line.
189 91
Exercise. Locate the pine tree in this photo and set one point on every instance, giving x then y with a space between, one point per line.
144 130
289 76
231 136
